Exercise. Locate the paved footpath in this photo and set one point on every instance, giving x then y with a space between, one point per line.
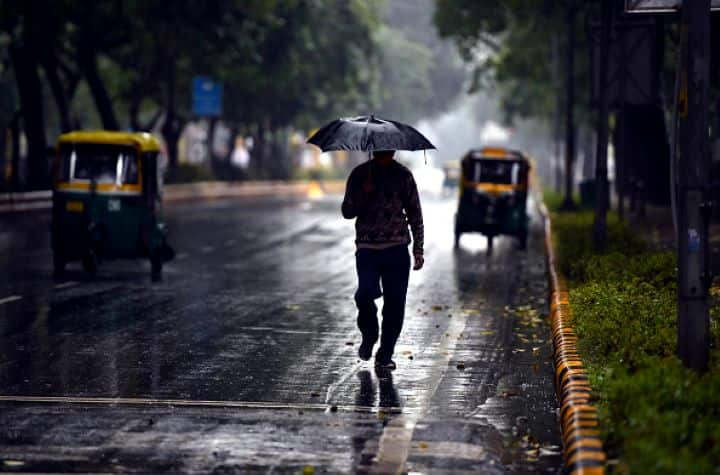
243 360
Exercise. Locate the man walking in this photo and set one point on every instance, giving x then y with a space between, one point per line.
382 194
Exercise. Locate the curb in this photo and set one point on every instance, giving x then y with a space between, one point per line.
583 452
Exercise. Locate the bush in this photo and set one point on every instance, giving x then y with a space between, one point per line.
657 416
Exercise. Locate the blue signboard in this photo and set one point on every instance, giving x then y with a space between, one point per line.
207 97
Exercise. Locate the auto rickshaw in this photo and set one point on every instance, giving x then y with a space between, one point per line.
493 194
106 201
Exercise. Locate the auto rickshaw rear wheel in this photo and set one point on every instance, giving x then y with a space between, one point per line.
90 262
522 238
156 269
58 265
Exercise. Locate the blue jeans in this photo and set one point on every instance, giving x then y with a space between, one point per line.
391 267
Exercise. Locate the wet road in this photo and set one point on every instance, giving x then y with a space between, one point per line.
243 360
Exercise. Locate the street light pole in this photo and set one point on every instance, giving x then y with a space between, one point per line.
693 193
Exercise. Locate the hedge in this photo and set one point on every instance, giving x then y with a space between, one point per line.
657 417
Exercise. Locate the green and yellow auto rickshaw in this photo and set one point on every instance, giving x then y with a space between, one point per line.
106 200
493 194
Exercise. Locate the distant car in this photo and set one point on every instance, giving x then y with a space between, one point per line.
451 170
106 200
493 194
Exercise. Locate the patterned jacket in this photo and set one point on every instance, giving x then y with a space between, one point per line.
383 214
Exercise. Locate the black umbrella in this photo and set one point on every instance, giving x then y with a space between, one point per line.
368 133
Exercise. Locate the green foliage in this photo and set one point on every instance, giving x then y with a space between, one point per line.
320 174
657 416
575 254
517 49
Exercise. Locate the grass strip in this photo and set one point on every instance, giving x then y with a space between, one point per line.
657 417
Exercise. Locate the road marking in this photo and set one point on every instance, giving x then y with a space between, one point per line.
65 284
207 249
396 439
9 299
140 401
181 256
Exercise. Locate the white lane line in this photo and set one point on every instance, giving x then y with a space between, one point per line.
207 249
9 299
396 439
140 401
181 256
69 283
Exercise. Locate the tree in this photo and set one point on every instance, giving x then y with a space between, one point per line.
510 44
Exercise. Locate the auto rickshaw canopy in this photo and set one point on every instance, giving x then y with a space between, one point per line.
495 153
143 141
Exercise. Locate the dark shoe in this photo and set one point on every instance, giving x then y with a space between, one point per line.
385 364
365 350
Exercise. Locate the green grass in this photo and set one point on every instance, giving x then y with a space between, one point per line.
657 416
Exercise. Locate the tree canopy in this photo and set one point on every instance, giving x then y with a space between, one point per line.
514 46
283 64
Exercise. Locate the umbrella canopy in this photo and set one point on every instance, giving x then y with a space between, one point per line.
368 133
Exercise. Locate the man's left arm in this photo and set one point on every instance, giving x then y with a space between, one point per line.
413 210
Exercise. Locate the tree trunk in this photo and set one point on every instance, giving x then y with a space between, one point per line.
88 63
601 178
170 128
25 65
134 112
3 157
569 108
15 153
58 90
214 165
557 139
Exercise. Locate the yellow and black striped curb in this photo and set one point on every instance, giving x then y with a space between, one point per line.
583 451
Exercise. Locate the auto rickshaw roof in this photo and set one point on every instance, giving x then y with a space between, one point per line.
495 153
144 141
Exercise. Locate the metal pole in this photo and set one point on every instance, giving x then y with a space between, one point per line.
693 193
601 179
569 105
